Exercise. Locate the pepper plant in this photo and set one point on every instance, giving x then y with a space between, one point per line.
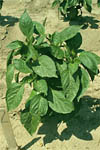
73 8
55 67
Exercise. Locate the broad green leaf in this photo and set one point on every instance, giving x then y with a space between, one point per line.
39 105
88 5
45 67
15 45
56 38
59 103
84 81
89 61
9 74
26 25
30 121
41 86
38 28
66 34
14 95
21 66
96 57
75 42
69 85
57 52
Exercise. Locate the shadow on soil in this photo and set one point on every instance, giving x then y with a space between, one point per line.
86 21
27 146
80 125
8 20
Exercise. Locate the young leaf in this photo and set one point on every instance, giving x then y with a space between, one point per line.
84 79
21 66
30 121
89 61
59 103
14 95
9 74
15 45
38 28
26 25
41 86
38 105
69 85
57 52
45 67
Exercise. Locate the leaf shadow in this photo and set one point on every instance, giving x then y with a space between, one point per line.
80 125
8 20
27 146
86 21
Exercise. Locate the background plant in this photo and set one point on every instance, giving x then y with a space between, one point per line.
73 8
55 67
1 3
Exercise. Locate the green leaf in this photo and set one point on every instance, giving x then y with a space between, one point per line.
59 103
61 67
75 42
45 67
21 66
73 67
15 45
69 85
26 25
9 74
41 86
40 39
32 53
57 52
33 93
30 121
38 28
96 57
14 95
89 61
9 58
66 34
39 105
28 79
84 81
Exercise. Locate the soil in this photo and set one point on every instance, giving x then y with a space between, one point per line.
83 131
